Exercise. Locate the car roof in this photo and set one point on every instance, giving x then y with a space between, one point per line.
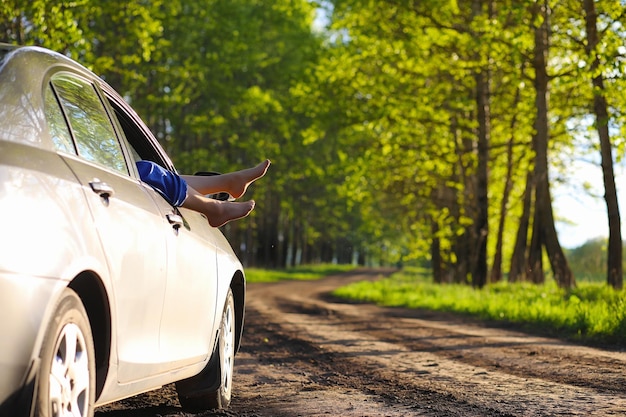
38 58
23 71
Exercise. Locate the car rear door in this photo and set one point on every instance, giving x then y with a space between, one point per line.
131 228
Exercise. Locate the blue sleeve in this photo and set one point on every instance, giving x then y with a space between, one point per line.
170 185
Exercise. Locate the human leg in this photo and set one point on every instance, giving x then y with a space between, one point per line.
217 212
235 183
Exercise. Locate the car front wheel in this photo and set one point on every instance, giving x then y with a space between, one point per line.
212 388
66 378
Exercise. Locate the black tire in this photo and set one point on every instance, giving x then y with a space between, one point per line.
66 376
212 388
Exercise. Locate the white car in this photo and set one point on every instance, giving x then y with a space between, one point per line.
106 290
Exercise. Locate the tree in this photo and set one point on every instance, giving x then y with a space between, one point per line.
41 22
543 228
483 115
600 108
406 130
496 268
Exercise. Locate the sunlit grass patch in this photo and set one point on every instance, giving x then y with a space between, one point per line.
305 272
592 311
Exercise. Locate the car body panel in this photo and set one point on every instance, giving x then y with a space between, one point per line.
184 332
46 185
137 303
163 286
63 251
24 299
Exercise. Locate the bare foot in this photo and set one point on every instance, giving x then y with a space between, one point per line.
240 180
226 211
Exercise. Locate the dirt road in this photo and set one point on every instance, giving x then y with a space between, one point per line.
306 354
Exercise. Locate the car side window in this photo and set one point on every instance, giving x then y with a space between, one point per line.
59 131
95 137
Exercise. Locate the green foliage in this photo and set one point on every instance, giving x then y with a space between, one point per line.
589 261
41 22
591 312
304 272
371 125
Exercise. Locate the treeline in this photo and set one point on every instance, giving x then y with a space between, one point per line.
588 261
399 130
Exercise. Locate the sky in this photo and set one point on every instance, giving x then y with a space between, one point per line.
585 214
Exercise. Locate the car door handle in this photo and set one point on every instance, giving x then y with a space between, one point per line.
175 220
103 189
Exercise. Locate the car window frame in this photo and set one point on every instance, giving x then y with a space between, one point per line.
49 88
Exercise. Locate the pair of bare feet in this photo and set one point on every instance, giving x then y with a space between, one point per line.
234 183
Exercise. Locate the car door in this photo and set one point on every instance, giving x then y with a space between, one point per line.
131 228
188 321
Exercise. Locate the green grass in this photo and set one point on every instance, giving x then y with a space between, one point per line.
306 272
592 312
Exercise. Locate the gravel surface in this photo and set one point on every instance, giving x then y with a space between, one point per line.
307 354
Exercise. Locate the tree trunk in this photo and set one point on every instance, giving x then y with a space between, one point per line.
614 264
534 264
481 221
496 269
518 260
544 231
463 249
435 254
